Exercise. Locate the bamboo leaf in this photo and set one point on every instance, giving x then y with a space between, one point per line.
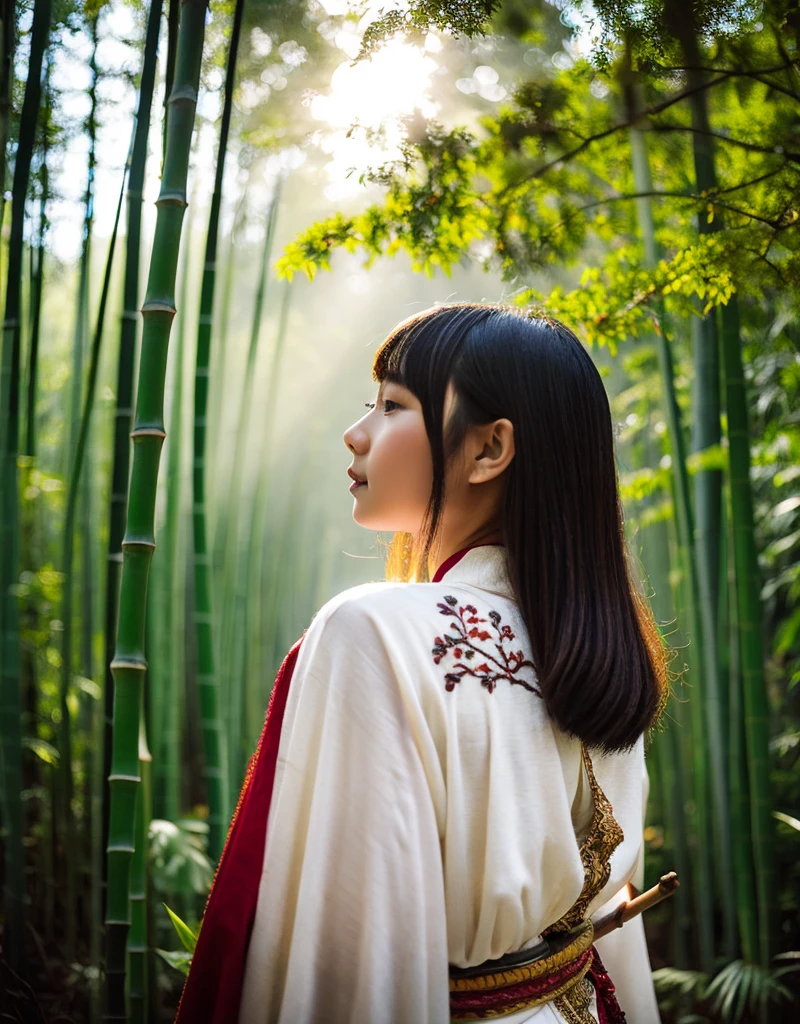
88 686
787 819
177 958
44 751
185 933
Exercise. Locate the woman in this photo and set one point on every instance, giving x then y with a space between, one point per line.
451 778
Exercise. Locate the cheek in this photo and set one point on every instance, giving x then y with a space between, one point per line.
404 462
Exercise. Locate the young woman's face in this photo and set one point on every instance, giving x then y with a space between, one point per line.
392 454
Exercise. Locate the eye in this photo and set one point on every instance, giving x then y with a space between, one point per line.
386 402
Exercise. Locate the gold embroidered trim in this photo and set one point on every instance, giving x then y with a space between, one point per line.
574 1005
604 836
546 965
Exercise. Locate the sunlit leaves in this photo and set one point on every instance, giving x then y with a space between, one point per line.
421 16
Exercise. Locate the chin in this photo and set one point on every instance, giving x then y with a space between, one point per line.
377 523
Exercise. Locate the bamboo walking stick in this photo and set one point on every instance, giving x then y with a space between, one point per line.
667 885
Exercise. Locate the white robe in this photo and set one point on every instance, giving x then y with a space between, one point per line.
412 826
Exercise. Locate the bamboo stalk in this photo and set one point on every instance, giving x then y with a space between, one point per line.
10 709
7 34
148 435
124 411
65 738
29 447
216 462
684 518
175 562
214 762
233 608
137 937
255 698
751 642
746 912
708 490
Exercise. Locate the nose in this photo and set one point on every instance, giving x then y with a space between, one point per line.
355 439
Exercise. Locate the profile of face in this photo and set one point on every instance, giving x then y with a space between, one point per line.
392 467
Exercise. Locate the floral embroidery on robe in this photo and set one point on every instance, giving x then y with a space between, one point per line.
469 657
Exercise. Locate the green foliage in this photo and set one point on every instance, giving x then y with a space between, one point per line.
421 16
177 958
550 174
178 857
180 959
740 986
651 27
675 987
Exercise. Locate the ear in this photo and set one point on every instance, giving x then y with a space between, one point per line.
493 445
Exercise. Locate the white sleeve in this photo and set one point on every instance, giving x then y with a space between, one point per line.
350 923
624 951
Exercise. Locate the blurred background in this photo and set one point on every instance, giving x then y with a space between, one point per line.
633 169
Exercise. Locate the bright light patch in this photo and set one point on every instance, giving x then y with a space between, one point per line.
374 93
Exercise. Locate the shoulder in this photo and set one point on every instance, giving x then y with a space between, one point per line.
388 605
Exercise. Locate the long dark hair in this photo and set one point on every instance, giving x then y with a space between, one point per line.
599 658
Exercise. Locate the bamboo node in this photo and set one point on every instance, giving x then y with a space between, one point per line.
148 432
139 665
134 543
115 556
202 371
130 314
159 306
172 199
182 94
122 778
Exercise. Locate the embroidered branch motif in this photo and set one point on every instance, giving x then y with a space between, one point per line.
472 660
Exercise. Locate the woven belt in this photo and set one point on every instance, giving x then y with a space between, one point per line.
522 980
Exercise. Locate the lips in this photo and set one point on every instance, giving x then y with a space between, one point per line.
355 477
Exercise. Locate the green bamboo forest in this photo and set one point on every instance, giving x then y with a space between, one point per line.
198 209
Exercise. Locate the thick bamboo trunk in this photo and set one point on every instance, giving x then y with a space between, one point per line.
214 763
148 435
124 411
10 709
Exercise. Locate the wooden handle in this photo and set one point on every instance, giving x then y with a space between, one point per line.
667 885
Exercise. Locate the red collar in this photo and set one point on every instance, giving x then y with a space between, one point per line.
448 563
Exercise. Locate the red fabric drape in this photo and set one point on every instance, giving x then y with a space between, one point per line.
213 990
608 1009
